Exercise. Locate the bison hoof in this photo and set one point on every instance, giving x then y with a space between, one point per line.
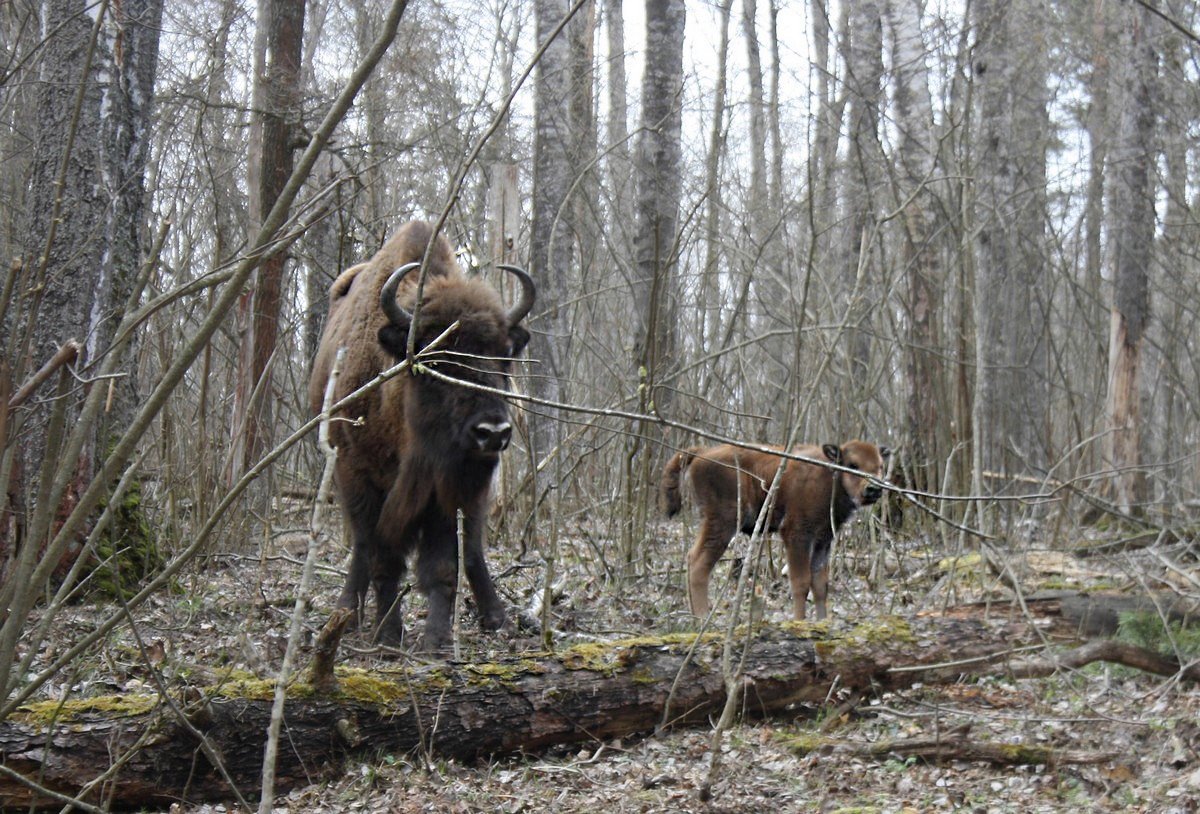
433 644
494 620
390 635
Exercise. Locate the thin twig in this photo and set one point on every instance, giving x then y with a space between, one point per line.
272 748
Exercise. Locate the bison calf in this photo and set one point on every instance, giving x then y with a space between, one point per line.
730 485
424 448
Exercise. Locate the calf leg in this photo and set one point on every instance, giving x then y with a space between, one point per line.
821 548
711 542
799 570
820 589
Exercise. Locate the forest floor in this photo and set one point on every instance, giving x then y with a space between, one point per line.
233 610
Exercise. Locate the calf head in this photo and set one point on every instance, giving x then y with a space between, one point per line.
864 457
449 422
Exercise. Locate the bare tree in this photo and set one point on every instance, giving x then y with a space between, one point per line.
1133 242
278 48
916 158
862 177
551 247
1011 394
84 240
658 170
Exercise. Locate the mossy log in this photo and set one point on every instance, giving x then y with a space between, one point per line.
464 711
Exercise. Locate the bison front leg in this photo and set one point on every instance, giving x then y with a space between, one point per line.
361 504
387 571
437 577
491 608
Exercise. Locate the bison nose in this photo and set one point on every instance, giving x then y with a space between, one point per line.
872 493
491 437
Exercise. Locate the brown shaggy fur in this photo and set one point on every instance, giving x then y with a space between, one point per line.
409 466
730 486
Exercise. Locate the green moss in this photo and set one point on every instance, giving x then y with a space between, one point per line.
807 629
1024 754
504 674
601 657
884 630
128 551
367 687
43 712
617 656
261 689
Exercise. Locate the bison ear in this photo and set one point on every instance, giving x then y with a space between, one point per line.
394 340
519 338
833 452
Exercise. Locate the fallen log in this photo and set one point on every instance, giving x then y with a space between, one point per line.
953 745
465 711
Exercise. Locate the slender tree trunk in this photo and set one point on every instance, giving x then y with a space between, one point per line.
927 391
658 171
1011 393
550 245
1133 244
710 300
279 47
862 181
125 144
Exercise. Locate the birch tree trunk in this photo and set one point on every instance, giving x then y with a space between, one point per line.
862 180
1133 242
927 390
83 234
659 183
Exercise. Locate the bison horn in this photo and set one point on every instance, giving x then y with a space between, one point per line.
528 293
387 297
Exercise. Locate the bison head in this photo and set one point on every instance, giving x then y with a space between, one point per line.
449 422
863 457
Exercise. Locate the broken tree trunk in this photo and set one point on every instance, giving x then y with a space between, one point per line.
463 711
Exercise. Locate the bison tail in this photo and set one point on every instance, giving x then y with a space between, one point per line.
668 488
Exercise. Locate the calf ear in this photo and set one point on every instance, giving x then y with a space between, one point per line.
519 338
833 452
394 340
885 452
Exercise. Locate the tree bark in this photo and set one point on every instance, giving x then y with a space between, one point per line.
1133 247
470 711
279 43
927 390
550 253
1011 309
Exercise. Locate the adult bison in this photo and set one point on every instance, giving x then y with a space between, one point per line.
730 486
423 448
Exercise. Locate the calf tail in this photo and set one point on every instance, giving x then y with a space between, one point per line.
668 488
